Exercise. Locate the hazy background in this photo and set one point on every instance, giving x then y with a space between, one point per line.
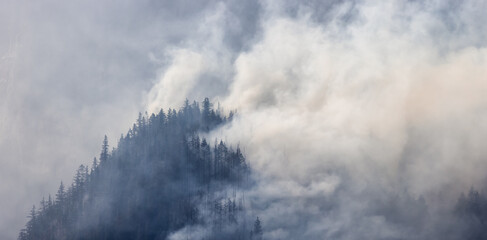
339 101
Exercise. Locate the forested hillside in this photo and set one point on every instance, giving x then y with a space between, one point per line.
161 177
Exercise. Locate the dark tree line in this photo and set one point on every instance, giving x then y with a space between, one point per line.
471 209
160 178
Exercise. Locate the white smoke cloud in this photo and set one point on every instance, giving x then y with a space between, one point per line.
201 67
190 232
178 78
341 103
333 113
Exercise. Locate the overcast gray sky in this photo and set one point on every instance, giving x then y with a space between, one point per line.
384 90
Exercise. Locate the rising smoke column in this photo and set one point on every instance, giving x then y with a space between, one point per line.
355 122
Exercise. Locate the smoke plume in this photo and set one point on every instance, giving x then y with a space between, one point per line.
364 124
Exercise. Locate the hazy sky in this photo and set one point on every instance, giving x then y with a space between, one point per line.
338 100
72 71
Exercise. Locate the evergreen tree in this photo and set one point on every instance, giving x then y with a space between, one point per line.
60 195
257 230
49 201
104 150
94 165
206 114
32 223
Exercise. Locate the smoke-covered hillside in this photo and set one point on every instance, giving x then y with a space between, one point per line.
358 119
162 177
164 181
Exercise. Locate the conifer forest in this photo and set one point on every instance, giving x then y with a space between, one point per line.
243 120
160 178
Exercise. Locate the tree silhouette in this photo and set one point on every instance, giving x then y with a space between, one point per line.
104 150
257 230
161 178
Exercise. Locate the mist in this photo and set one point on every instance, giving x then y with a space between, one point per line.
360 119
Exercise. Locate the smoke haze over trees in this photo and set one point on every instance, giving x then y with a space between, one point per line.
163 181
161 178
358 119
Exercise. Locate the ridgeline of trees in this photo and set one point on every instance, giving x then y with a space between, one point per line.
160 178
163 179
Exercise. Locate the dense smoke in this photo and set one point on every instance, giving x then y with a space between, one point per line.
357 121
360 119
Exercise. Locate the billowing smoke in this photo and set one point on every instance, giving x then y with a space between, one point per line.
362 120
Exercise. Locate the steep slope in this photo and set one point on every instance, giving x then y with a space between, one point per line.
161 178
